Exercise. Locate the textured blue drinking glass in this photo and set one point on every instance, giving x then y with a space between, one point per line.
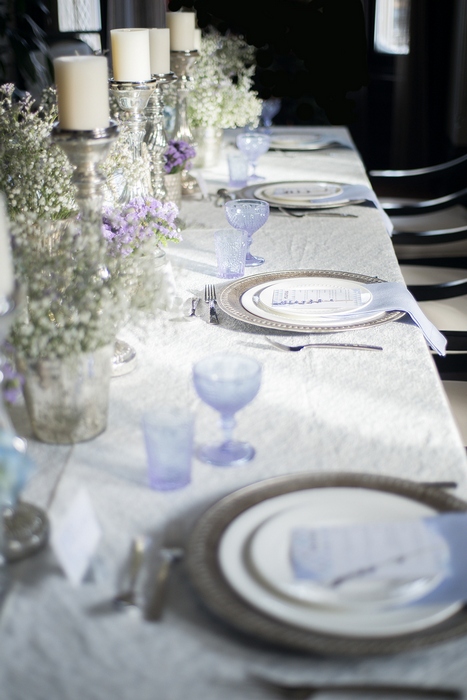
253 144
248 215
227 383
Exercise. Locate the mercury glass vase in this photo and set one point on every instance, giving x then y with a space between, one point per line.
208 146
173 187
67 398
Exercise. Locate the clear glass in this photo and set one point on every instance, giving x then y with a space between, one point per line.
168 436
231 246
271 108
238 169
248 215
227 383
253 144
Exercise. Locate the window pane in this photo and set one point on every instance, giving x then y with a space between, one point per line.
79 15
392 26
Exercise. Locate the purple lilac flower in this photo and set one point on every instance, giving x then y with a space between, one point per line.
176 155
142 218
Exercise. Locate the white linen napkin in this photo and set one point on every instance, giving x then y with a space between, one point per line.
364 192
393 296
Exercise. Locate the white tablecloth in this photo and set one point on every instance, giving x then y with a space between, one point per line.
318 410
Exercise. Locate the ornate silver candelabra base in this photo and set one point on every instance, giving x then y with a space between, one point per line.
132 99
181 62
86 150
156 138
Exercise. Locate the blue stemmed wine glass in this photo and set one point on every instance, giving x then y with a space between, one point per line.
253 144
248 215
227 383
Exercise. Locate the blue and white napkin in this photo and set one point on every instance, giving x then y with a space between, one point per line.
364 192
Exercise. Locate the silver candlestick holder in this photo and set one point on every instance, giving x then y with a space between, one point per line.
86 150
156 138
181 62
25 526
132 99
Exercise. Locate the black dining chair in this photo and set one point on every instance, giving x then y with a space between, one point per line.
428 207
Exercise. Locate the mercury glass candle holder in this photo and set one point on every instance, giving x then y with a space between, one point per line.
181 62
156 138
132 99
25 526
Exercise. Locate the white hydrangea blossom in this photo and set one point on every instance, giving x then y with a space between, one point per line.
221 94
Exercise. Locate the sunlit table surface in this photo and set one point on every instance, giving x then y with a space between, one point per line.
317 411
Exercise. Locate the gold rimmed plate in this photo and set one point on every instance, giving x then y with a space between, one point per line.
324 631
241 299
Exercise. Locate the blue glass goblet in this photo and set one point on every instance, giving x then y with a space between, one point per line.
253 144
227 383
248 215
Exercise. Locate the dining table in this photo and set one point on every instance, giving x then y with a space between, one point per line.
320 413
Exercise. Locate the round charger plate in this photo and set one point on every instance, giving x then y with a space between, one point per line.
230 300
261 192
221 597
268 556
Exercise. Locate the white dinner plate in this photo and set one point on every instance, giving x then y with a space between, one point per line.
308 142
299 192
270 558
347 311
338 505
305 194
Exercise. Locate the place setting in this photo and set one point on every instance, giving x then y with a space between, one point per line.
344 564
312 141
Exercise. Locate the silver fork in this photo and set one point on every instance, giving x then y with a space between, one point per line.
210 298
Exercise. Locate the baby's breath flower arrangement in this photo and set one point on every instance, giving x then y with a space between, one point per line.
35 174
74 298
222 94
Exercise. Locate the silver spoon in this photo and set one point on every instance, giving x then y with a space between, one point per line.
337 346
169 556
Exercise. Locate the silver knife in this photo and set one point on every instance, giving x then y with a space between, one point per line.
213 317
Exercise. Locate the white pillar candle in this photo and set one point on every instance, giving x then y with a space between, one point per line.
182 30
130 55
159 46
197 42
7 279
82 92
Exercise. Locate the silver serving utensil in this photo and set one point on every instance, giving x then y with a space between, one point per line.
309 690
210 298
127 598
300 214
169 555
334 346
194 305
